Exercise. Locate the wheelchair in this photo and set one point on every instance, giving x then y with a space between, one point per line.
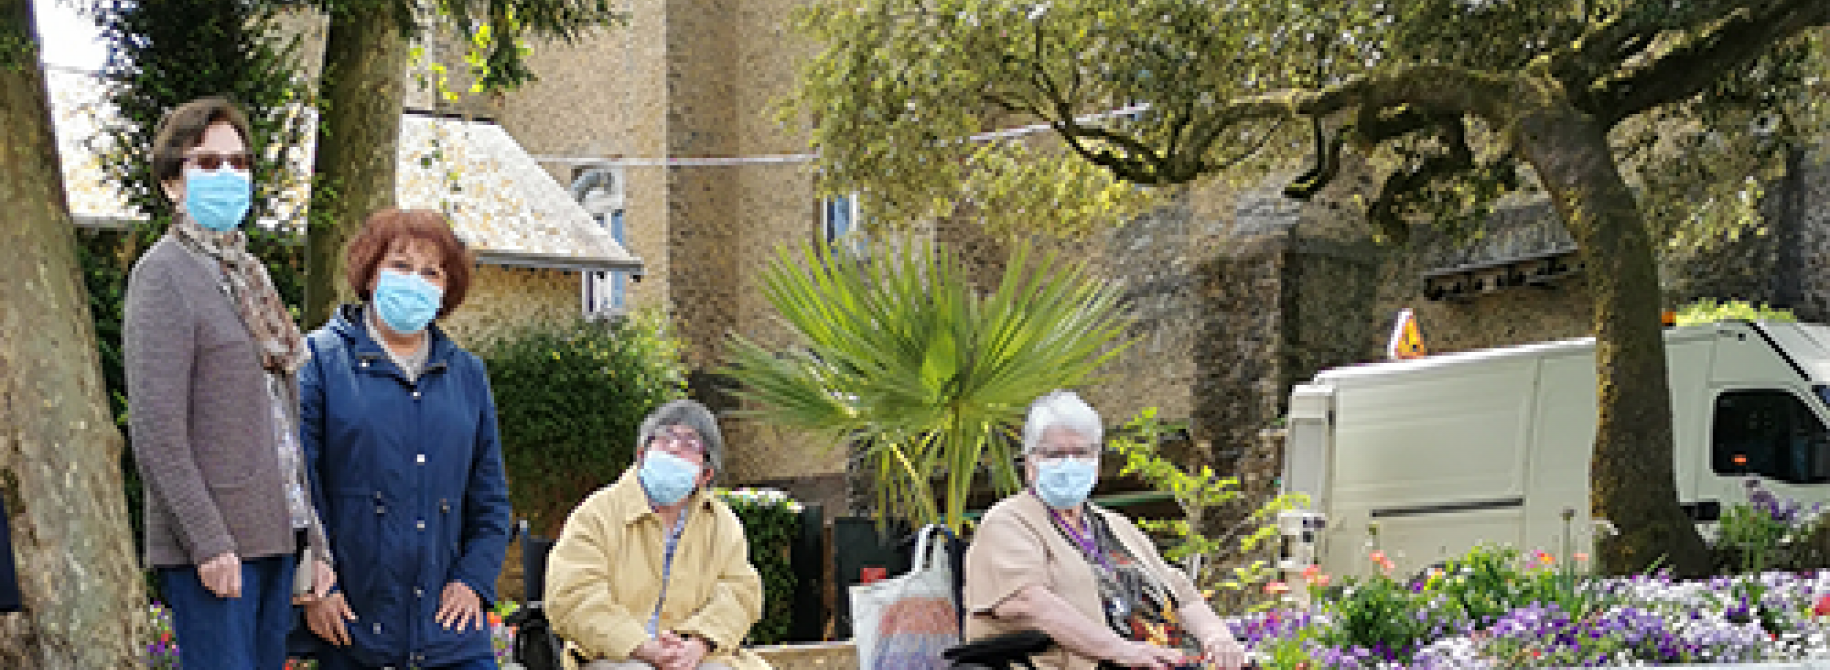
535 645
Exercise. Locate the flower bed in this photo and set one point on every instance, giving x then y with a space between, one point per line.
1616 622
1499 608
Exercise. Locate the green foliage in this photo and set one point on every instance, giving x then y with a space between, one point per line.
495 28
163 54
771 522
1201 495
17 48
1170 91
1708 310
569 401
898 354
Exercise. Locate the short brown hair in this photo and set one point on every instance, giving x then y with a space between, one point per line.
383 228
183 128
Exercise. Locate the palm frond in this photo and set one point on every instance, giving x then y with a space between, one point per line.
902 356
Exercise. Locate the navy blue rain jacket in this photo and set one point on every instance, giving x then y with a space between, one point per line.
411 488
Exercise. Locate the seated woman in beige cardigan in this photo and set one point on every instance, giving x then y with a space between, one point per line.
653 571
1046 559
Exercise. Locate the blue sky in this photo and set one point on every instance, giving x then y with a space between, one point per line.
69 37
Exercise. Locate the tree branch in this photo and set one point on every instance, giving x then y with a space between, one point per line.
1686 70
1439 90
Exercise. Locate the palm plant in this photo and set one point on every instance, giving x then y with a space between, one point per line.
901 356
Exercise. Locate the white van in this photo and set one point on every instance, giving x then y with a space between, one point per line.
1444 452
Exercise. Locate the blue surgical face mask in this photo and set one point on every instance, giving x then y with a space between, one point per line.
667 478
1065 482
217 199
406 302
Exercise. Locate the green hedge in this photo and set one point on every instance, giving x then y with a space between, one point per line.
771 521
569 399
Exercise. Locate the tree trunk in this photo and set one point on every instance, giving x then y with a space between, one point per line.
1634 486
60 453
365 70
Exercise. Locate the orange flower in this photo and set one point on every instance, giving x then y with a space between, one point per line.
1544 557
1320 581
1310 572
1580 556
1276 588
1378 556
495 620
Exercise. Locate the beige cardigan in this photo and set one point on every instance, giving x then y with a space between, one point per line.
1016 545
604 577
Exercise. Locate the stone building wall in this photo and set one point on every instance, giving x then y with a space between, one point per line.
691 79
1499 318
1810 251
503 300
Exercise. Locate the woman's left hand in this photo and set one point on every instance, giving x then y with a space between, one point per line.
460 607
1224 652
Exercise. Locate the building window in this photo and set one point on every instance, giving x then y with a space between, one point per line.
605 291
840 222
1769 433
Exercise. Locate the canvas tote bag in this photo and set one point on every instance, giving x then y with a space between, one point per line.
905 622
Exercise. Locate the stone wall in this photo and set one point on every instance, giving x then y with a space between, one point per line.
1810 251
502 300
688 79
1500 318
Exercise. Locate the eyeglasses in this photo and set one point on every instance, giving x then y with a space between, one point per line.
687 440
1054 452
212 161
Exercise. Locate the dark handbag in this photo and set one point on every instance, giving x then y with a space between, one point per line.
9 578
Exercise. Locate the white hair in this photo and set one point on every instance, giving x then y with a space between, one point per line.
1061 409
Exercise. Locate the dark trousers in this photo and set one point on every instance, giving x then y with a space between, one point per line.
331 659
232 633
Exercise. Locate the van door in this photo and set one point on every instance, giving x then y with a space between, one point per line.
1765 421
1773 434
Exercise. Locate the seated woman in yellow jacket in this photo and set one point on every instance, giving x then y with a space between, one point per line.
653 571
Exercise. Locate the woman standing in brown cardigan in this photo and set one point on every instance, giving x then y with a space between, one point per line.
211 361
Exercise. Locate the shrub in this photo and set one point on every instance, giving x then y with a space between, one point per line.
1237 558
569 400
771 521
1707 310
1768 532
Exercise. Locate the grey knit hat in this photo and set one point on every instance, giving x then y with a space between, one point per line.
691 414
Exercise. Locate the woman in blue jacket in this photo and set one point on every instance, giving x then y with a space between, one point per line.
400 433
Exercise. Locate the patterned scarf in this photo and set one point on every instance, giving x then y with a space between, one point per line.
282 348
1137 605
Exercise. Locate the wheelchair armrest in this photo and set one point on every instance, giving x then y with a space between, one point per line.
1000 651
